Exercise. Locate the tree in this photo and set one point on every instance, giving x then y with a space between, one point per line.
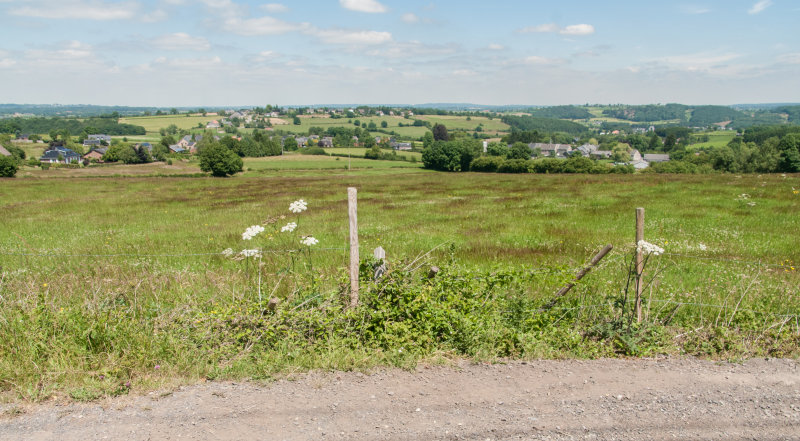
790 153
367 141
440 132
655 143
384 124
290 144
497 149
8 167
173 111
670 142
296 120
519 150
427 140
219 160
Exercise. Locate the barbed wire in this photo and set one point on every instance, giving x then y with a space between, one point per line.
722 259
3 253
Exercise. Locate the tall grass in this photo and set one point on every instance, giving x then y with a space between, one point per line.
109 284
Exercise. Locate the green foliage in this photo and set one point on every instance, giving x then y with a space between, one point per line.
647 113
515 166
488 164
519 150
440 133
8 166
531 123
789 148
219 160
108 126
450 155
313 151
562 112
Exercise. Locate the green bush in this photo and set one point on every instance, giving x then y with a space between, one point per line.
514 166
488 164
313 151
219 160
8 167
547 165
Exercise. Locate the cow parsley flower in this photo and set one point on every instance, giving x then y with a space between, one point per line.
702 246
227 252
250 253
289 227
648 248
309 241
298 206
252 232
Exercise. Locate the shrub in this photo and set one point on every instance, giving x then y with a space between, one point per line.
547 165
8 167
313 151
219 160
514 166
488 164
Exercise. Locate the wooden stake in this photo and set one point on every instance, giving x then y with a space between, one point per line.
352 211
639 263
563 291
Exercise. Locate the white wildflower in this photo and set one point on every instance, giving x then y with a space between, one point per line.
227 252
309 241
289 227
250 253
751 204
298 206
252 232
744 196
702 247
648 248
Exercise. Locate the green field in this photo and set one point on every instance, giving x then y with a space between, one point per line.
359 151
460 122
716 139
152 124
105 276
392 123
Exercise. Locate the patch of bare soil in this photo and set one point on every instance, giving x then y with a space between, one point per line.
554 400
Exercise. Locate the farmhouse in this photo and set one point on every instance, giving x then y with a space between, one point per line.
327 141
60 155
401 146
587 149
96 154
601 154
554 150
176 148
656 157
100 137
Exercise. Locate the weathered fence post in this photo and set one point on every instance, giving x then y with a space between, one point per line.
563 291
639 263
352 211
380 268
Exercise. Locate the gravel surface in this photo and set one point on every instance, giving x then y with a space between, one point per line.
553 400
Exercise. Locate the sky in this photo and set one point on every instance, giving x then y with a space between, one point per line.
296 52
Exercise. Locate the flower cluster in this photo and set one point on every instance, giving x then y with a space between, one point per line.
298 206
289 227
250 253
648 248
309 241
252 232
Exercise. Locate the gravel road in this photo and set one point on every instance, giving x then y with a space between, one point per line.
553 400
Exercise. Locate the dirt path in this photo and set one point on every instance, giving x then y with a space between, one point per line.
602 399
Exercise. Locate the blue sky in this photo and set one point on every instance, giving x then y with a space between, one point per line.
244 52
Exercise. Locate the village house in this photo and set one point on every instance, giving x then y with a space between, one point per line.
553 150
60 154
176 148
656 157
100 137
601 154
587 149
327 141
401 146
95 154
636 156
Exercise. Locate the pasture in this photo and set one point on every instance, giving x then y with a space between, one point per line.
105 278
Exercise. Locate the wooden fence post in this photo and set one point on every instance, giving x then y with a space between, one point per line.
352 211
639 263
380 268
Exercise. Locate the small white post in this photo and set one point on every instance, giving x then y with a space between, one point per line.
352 210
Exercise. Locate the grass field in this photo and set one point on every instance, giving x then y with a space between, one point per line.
359 151
460 122
716 139
392 123
105 278
152 124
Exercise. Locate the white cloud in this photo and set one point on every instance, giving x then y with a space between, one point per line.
7 62
549 27
79 10
410 18
543 61
760 6
347 37
576 29
188 62
413 50
275 8
260 26
464 72
694 9
496 47
370 6
793 58
698 61
180 41
157 15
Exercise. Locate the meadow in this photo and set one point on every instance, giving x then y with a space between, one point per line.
117 283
